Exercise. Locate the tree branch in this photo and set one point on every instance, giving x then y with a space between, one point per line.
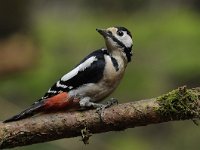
179 104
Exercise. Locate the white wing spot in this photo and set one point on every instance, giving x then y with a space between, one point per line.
60 85
70 87
80 67
49 91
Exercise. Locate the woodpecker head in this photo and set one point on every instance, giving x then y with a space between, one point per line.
118 38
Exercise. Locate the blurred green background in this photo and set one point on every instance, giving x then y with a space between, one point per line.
42 40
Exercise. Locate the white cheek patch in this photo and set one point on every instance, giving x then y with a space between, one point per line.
80 67
125 39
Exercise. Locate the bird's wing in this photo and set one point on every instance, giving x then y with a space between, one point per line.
89 70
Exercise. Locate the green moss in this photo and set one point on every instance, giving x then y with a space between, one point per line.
181 103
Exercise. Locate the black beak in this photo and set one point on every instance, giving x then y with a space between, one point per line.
103 32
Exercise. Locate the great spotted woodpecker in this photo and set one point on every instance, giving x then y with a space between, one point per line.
93 79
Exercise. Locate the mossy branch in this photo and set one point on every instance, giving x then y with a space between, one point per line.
180 104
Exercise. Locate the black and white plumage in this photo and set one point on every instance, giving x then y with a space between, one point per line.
93 79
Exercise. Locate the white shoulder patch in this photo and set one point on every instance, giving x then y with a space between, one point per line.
87 63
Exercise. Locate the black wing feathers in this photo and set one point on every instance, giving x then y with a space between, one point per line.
91 74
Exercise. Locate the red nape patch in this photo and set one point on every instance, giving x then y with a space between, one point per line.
62 101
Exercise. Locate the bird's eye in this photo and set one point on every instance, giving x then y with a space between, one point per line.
120 33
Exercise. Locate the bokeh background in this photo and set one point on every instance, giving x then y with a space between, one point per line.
42 40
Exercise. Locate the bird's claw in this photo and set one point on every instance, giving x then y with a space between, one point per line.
111 102
100 110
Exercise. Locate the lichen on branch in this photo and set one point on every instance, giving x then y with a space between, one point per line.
180 103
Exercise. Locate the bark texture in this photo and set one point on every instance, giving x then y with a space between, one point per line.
179 104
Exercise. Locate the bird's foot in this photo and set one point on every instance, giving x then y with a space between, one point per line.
111 102
101 108
100 111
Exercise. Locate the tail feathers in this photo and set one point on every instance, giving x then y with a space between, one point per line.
26 113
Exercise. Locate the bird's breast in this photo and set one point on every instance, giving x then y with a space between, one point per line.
104 87
111 79
112 74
